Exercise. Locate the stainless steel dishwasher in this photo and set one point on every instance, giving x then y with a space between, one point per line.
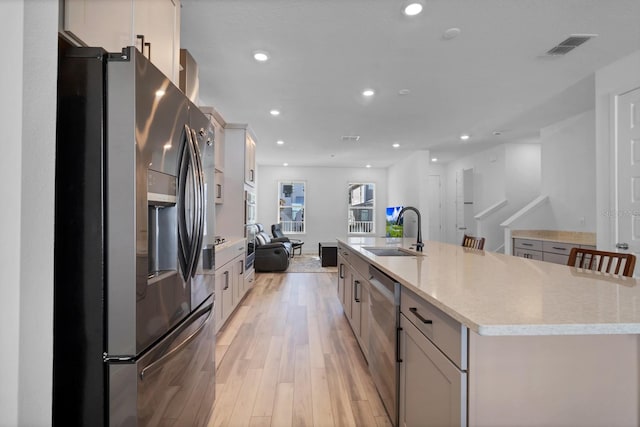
383 320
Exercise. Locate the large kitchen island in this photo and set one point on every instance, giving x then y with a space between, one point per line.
487 339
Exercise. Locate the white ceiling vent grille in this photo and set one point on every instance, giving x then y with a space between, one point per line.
352 138
569 44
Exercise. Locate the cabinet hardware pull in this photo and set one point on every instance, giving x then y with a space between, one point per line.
398 359
341 271
241 267
148 45
560 249
356 286
141 38
226 280
422 319
527 244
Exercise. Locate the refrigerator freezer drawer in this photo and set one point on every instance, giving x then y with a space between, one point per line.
174 381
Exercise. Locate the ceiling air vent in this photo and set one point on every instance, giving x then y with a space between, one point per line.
569 44
352 138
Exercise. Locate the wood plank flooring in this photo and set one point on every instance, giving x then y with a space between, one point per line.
288 357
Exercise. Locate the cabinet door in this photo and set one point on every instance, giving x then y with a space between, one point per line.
348 291
529 254
357 285
226 280
555 258
158 21
364 318
250 161
341 278
224 294
218 144
107 24
238 279
433 391
219 300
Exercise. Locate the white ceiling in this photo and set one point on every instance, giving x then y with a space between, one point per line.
324 53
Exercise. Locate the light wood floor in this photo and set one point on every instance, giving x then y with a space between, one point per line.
288 357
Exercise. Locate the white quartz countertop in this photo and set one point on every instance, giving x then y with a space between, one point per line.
496 294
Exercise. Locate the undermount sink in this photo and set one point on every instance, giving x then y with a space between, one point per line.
391 251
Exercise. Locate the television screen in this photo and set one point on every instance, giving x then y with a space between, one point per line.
393 229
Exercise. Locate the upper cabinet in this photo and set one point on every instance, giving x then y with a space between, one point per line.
218 143
153 26
250 161
158 21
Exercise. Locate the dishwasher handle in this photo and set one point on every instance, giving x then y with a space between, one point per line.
383 283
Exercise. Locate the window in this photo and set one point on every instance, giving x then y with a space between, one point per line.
291 206
361 209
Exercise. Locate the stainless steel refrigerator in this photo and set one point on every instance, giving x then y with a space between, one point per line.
134 261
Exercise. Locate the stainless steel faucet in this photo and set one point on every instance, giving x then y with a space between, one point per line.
419 244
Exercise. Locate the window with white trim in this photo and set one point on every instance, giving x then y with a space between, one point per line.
291 205
361 209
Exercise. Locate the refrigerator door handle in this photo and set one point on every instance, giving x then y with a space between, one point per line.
149 369
195 225
200 200
183 235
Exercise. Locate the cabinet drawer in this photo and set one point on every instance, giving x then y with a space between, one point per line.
225 253
555 258
535 245
525 253
557 247
355 261
446 333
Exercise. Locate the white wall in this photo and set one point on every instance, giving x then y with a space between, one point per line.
617 78
408 186
508 171
27 119
326 199
568 164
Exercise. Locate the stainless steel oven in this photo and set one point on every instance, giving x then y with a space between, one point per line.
250 229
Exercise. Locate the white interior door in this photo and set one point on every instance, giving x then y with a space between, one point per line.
469 220
460 225
435 208
627 218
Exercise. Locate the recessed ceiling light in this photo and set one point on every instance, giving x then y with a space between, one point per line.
497 132
260 56
396 145
368 166
451 33
465 137
285 164
167 145
368 92
434 159
280 142
274 112
403 92
412 9
160 93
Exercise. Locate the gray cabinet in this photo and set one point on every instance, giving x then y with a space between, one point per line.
232 282
433 371
545 250
433 391
353 292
